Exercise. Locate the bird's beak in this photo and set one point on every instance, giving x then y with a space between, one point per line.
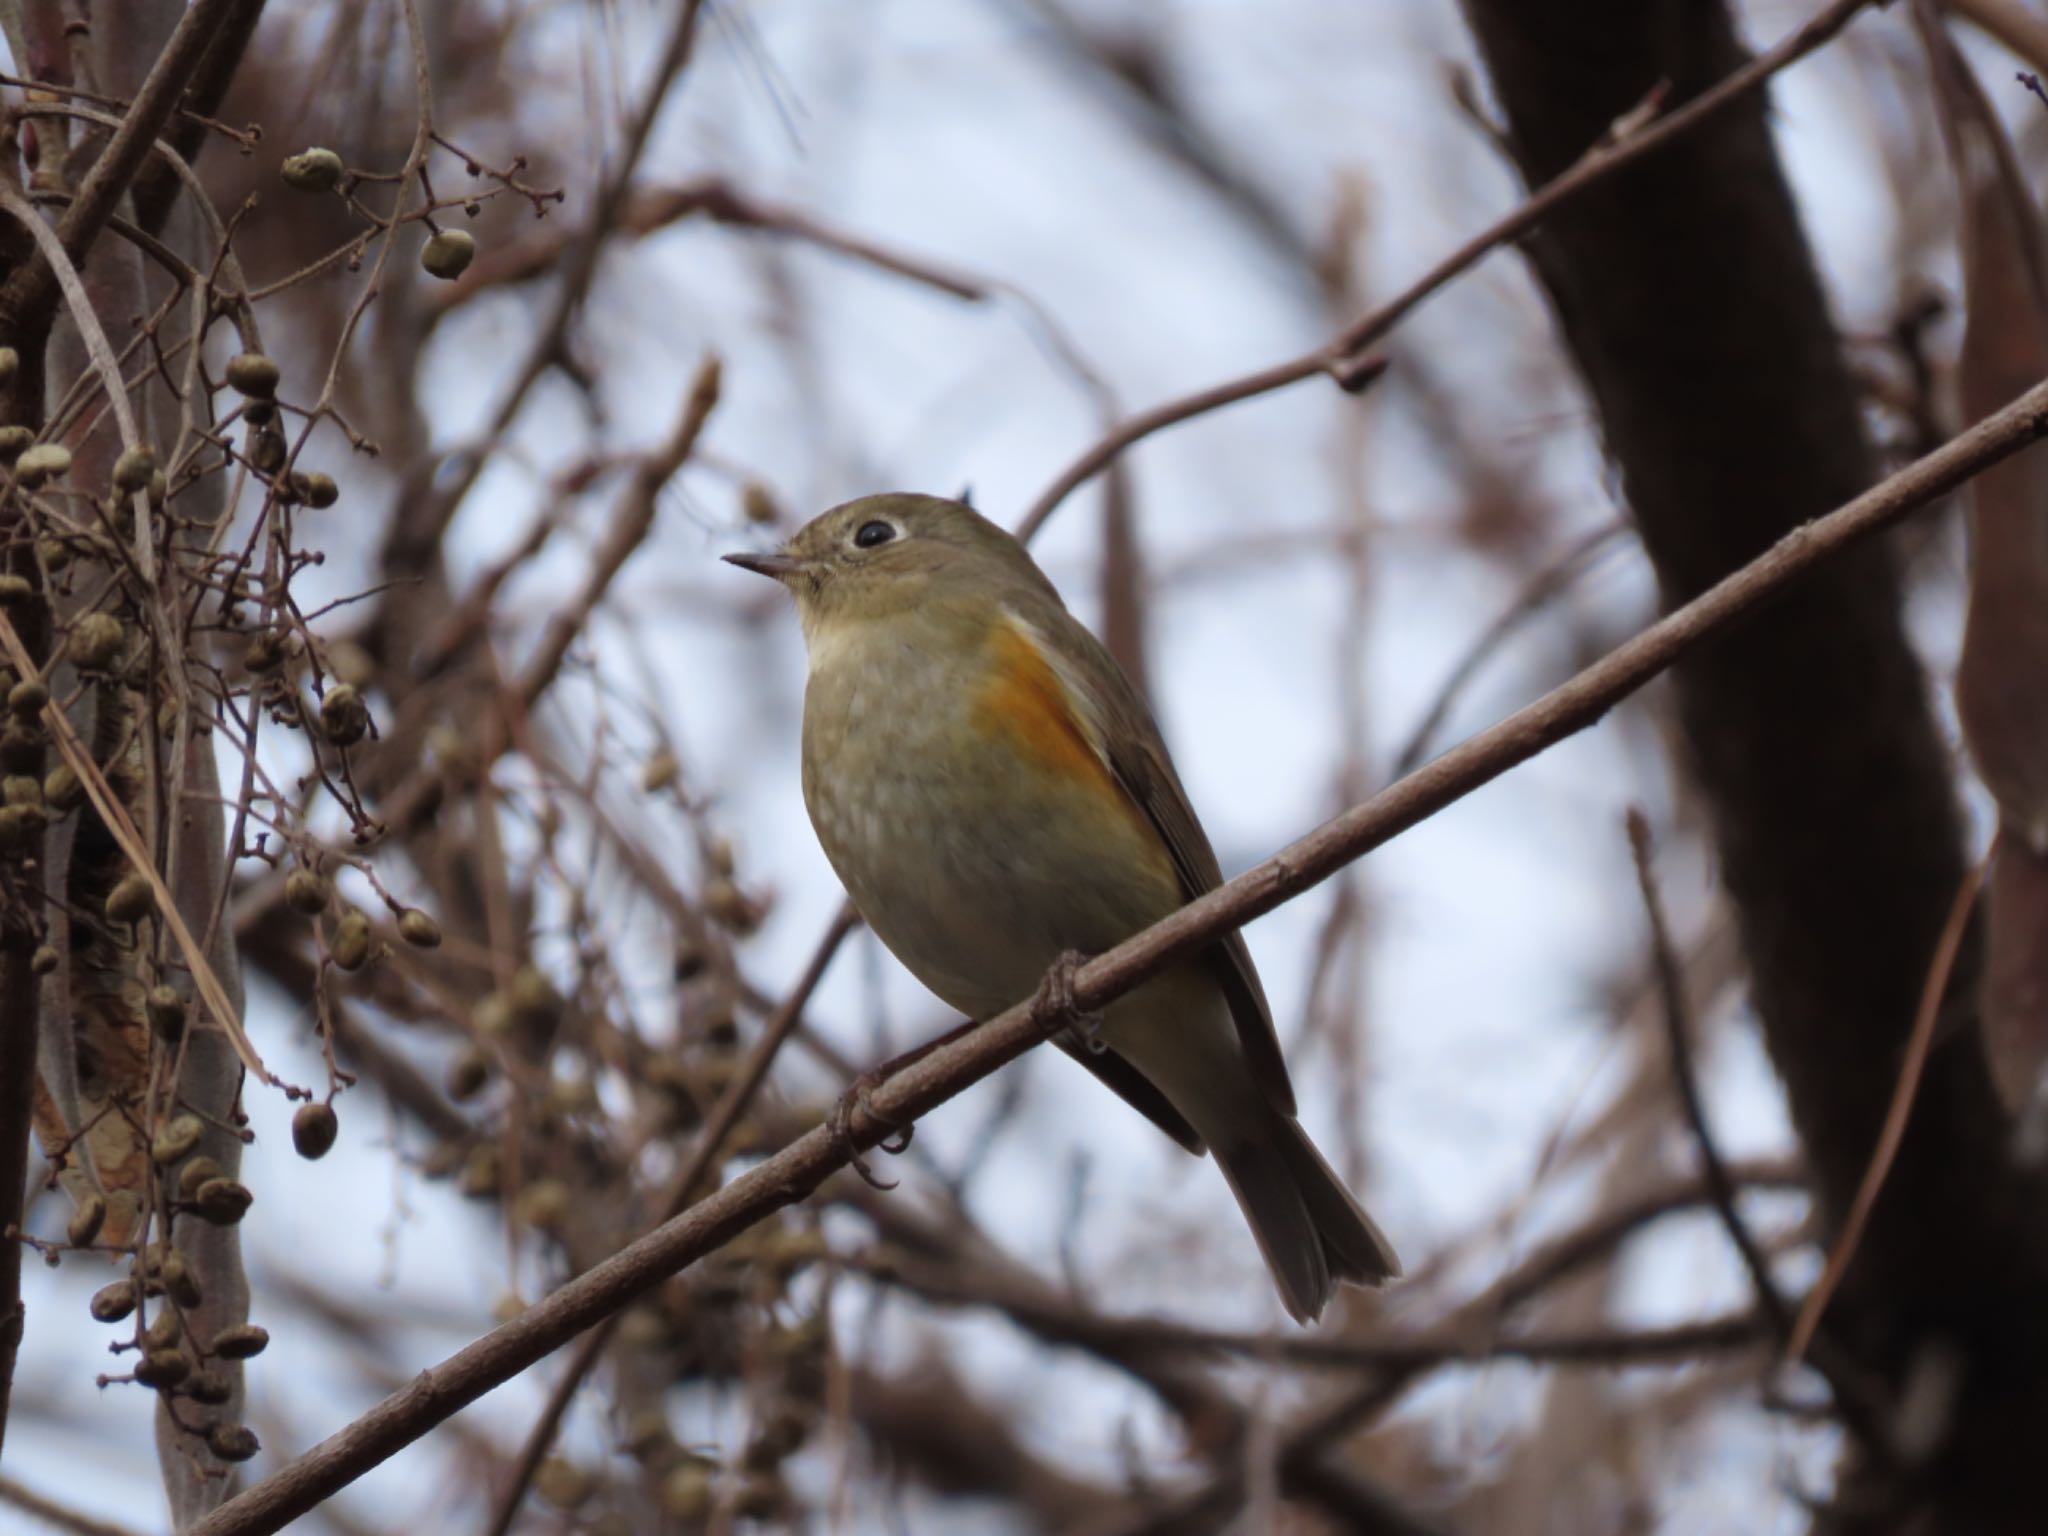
774 563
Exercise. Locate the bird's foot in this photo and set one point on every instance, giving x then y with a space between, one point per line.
1054 1004
860 1098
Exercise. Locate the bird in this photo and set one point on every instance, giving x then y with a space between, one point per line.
994 795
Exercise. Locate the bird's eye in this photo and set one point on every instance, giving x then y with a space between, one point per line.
871 534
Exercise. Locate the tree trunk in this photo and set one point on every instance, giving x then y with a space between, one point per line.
1688 296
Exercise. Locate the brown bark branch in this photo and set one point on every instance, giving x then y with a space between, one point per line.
1677 1023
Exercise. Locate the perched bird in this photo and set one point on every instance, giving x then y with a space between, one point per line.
994 794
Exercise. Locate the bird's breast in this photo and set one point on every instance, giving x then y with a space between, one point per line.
967 813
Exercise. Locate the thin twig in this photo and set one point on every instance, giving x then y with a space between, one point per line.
1685 1078
1545 584
57 1516
627 533
1343 356
1918 1045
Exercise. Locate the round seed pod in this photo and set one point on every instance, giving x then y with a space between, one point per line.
196 1175
313 170
21 789
757 502
267 449
14 441
42 463
159 488
491 1018
265 653
536 1005
19 827
350 947
232 1442
28 698
98 642
164 1331
731 908
448 254
131 900
163 1369
241 1341
646 1433
444 1158
687 1492
641 1330
15 589
134 470
320 491
544 1204
253 375
418 929
166 1012
572 1096
307 892
562 1484
467 1074
314 1129
10 364
86 1221
44 960
479 1177
175 1139
209 1388
179 1283
344 717
111 1303
222 1202
659 771
54 553
62 789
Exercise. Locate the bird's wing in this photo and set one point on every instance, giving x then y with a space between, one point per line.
1121 731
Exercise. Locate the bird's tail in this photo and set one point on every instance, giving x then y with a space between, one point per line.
1311 1231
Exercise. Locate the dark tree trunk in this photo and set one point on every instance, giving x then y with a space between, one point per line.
1688 296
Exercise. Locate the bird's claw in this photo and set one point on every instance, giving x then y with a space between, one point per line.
840 1124
1055 1004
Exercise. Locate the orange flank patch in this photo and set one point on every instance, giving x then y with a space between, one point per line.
1025 699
